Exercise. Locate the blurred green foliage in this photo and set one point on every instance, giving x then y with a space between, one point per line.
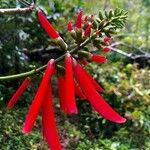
127 87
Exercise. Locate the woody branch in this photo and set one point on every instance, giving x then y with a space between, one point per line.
17 10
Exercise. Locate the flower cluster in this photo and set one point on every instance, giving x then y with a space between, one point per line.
73 79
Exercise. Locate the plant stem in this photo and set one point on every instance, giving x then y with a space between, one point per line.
29 73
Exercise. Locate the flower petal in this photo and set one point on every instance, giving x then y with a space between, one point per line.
69 81
48 122
96 100
98 58
96 85
18 93
62 94
39 98
47 26
79 20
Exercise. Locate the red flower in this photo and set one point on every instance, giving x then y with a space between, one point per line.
39 98
98 58
88 30
106 49
69 27
85 19
61 92
79 20
96 100
48 122
78 91
69 81
18 93
107 39
96 85
47 26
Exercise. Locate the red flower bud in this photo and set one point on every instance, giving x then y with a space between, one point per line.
69 81
18 93
62 93
48 122
69 27
39 98
85 19
88 30
47 26
107 39
106 49
79 20
98 58
96 100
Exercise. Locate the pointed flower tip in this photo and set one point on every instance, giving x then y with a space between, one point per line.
18 93
98 58
24 131
79 20
69 27
122 120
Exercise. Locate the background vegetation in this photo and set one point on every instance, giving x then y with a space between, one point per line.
126 81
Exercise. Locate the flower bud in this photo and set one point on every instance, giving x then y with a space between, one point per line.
98 58
106 49
79 20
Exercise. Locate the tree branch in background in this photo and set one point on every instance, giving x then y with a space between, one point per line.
144 54
17 10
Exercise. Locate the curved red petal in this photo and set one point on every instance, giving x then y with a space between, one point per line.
69 81
48 122
18 93
47 26
96 100
61 92
96 85
39 98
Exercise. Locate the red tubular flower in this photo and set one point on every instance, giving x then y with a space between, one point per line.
48 122
96 85
88 30
69 81
98 58
107 39
47 26
18 93
78 91
69 27
96 100
79 20
61 92
106 49
39 98
85 19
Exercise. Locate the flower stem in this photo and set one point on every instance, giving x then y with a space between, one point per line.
36 70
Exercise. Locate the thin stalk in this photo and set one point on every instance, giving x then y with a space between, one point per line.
29 73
